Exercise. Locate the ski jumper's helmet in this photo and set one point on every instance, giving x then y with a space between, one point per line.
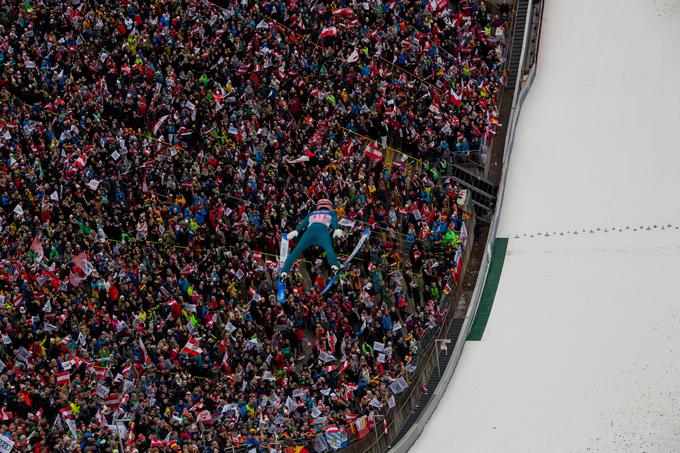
324 203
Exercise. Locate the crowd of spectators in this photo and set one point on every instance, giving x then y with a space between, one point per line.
152 153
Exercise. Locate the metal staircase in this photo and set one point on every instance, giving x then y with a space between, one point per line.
521 18
435 376
482 192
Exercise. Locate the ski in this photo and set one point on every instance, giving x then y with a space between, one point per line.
280 284
331 282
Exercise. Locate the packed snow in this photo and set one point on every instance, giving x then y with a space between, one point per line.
582 349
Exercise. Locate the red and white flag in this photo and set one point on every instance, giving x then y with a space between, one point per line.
63 378
82 263
328 31
343 12
157 125
225 359
437 5
354 56
204 416
66 412
145 355
455 98
372 151
192 348
4 415
113 400
100 372
36 247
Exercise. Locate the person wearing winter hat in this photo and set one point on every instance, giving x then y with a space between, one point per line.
317 227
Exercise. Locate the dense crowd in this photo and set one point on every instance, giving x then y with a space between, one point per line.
153 152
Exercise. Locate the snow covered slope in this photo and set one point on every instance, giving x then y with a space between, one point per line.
582 349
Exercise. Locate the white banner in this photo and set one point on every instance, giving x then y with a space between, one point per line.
6 444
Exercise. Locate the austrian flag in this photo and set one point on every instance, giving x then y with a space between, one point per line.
192 348
328 31
63 378
373 152
343 12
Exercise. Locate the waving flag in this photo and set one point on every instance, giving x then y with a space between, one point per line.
63 378
343 12
373 152
157 125
328 31
455 98
354 56
36 247
192 348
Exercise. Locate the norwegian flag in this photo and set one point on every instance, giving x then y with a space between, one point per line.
113 400
455 98
4 415
63 378
328 31
373 152
343 12
192 348
36 247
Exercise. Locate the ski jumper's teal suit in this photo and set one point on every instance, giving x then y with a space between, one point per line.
317 227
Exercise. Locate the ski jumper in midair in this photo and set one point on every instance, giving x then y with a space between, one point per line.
317 227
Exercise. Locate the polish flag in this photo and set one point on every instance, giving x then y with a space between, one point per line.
343 12
157 125
354 56
455 98
192 348
63 378
328 31
373 152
